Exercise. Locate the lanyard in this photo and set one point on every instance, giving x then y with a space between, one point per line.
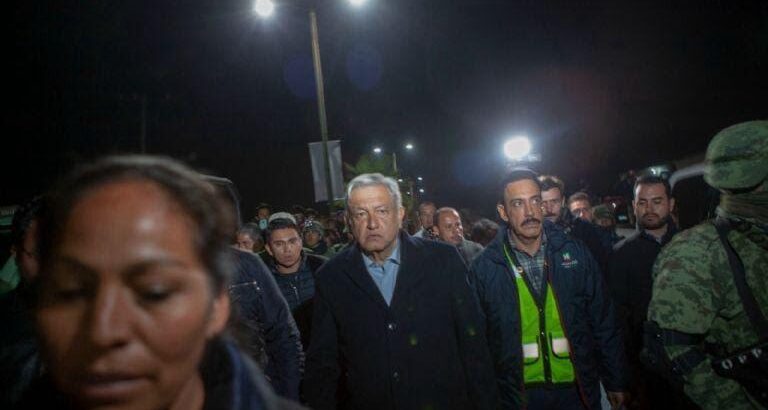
517 269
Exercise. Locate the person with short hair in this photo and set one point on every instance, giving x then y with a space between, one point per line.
551 326
629 276
555 210
249 238
580 206
450 230
263 211
294 271
426 215
395 323
483 231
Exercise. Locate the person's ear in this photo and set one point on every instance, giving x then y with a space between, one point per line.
502 212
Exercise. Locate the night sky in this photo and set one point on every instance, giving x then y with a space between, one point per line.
600 88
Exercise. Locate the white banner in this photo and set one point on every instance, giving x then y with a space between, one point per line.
318 170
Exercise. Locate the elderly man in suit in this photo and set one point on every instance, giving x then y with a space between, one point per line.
396 324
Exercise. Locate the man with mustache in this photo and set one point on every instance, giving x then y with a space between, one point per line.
629 277
550 325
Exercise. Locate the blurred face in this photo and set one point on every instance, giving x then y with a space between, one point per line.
449 228
652 206
581 209
312 238
552 203
262 213
522 209
427 215
605 222
375 220
285 247
126 308
245 242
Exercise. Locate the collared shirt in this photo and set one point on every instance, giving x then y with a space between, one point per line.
385 275
533 266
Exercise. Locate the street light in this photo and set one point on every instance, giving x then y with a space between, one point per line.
377 150
517 148
409 146
264 8
420 178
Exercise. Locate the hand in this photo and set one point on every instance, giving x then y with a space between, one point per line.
617 399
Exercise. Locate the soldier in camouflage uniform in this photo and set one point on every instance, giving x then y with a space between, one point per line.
695 301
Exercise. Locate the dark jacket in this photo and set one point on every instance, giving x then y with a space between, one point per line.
586 310
299 290
265 321
19 356
598 241
629 277
426 350
231 382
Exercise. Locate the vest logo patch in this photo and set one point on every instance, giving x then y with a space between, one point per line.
568 263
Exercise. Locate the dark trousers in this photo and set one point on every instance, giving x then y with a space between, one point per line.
565 398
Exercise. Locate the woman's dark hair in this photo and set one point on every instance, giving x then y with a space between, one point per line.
213 227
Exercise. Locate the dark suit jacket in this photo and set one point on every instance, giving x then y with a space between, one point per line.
426 350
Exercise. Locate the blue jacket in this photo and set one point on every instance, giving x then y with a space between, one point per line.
586 309
265 322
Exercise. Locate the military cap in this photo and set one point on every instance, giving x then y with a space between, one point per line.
602 212
737 157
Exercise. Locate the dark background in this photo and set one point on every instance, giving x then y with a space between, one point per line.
599 87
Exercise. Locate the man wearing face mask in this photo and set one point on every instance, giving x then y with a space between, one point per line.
629 276
262 215
707 329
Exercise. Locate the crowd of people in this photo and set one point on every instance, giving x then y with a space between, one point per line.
133 285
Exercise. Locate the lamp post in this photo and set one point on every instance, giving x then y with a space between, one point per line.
321 104
265 8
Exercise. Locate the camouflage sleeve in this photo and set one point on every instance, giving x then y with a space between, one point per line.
683 300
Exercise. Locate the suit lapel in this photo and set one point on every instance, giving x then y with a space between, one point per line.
410 271
357 272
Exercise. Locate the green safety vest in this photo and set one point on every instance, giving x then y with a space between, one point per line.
546 350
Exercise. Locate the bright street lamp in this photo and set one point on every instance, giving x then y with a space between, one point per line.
409 146
420 178
517 148
264 8
377 150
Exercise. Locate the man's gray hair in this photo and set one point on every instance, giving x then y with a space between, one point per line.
375 179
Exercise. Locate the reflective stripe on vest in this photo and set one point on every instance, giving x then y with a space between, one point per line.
546 352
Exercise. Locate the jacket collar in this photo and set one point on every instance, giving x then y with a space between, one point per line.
671 231
409 273
556 239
